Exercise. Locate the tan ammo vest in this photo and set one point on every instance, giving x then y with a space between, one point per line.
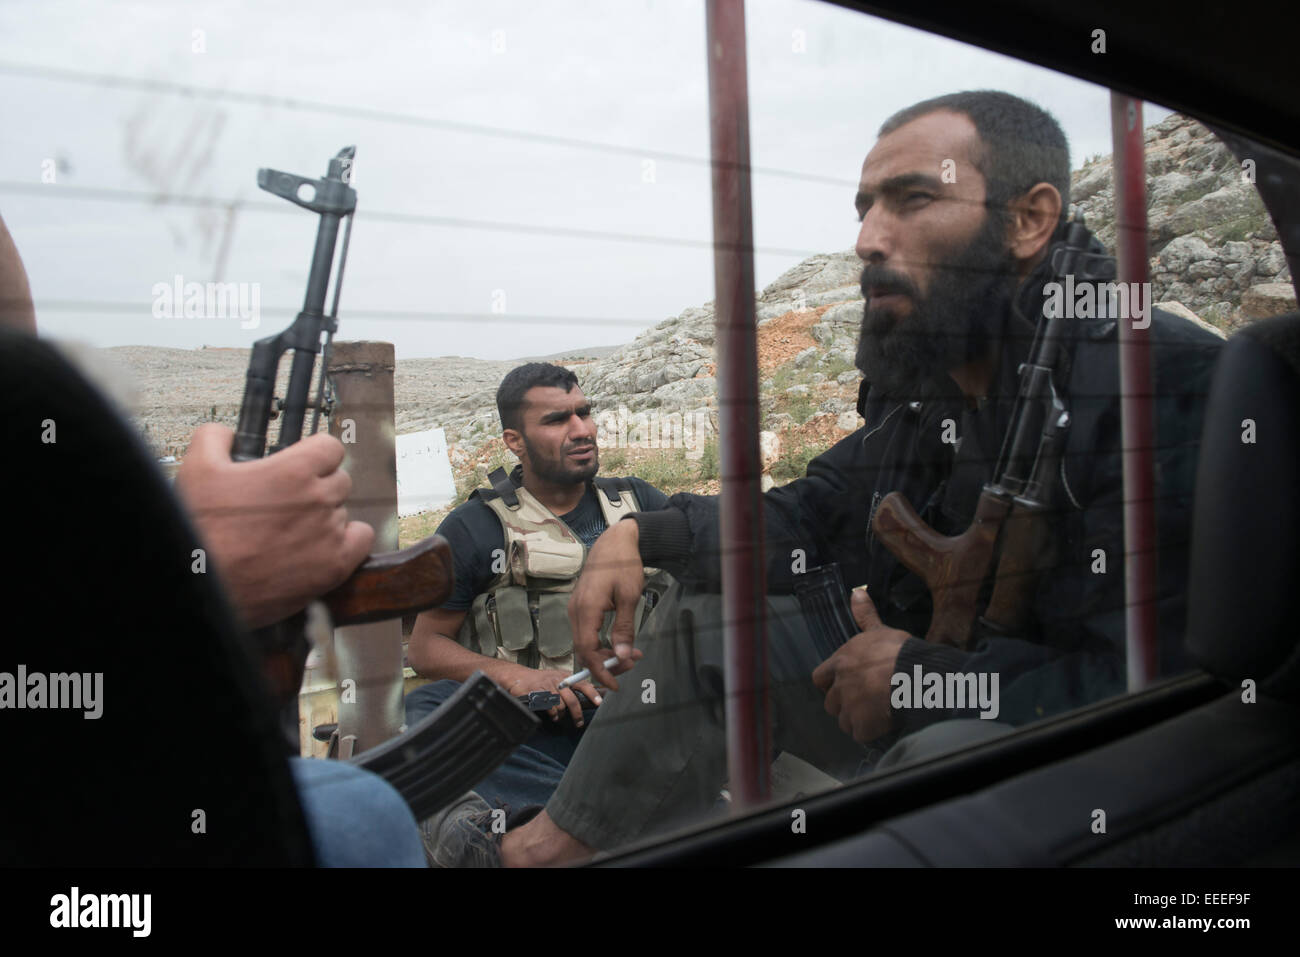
523 616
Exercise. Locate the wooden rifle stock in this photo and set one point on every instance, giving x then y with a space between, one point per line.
955 568
952 568
1026 550
386 585
391 584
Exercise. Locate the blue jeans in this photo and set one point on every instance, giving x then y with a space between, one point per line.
530 775
356 818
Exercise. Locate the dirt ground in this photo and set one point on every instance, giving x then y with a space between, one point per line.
780 340
785 337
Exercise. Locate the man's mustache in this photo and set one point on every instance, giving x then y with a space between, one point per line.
885 279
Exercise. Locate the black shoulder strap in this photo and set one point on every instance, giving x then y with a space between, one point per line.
613 486
502 487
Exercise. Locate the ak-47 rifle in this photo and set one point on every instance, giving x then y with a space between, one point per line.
1011 516
472 733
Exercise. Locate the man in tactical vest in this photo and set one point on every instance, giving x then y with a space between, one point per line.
518 549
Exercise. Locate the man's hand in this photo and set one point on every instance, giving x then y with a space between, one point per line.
520 681
16 309
856 678
275 529
612 579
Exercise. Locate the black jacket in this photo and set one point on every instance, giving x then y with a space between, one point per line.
1074 651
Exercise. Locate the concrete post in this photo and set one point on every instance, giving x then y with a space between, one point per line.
369 657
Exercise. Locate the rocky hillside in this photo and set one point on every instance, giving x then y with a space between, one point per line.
1212 244
1214 254
808 325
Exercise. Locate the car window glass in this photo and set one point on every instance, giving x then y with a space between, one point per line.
536 183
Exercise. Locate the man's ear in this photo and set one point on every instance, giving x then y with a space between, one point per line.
514 441
1034 218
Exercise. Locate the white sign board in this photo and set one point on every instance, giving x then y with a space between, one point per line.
424 478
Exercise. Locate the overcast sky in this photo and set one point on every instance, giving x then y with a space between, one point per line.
584 242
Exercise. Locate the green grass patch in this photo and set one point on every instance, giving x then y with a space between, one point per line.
1235 230
415 528
794 460
613 462
1195 191
467 481
800 407
786 376
710 465
836 368
1215 315
670 471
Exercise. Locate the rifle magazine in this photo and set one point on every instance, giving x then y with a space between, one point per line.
454 748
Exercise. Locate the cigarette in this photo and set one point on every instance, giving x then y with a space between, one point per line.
585 673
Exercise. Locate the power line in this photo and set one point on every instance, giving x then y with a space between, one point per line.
366 315
170 87
145 198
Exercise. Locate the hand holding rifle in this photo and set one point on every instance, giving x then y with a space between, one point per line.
276 528
856 678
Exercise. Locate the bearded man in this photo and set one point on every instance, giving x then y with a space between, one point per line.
962 203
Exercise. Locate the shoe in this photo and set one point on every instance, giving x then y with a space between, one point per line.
462 835
521 817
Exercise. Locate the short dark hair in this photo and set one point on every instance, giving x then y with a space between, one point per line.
1023 145
510 394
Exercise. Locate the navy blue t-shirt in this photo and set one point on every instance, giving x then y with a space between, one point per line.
474 532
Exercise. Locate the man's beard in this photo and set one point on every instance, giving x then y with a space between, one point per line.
900 355
561 471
